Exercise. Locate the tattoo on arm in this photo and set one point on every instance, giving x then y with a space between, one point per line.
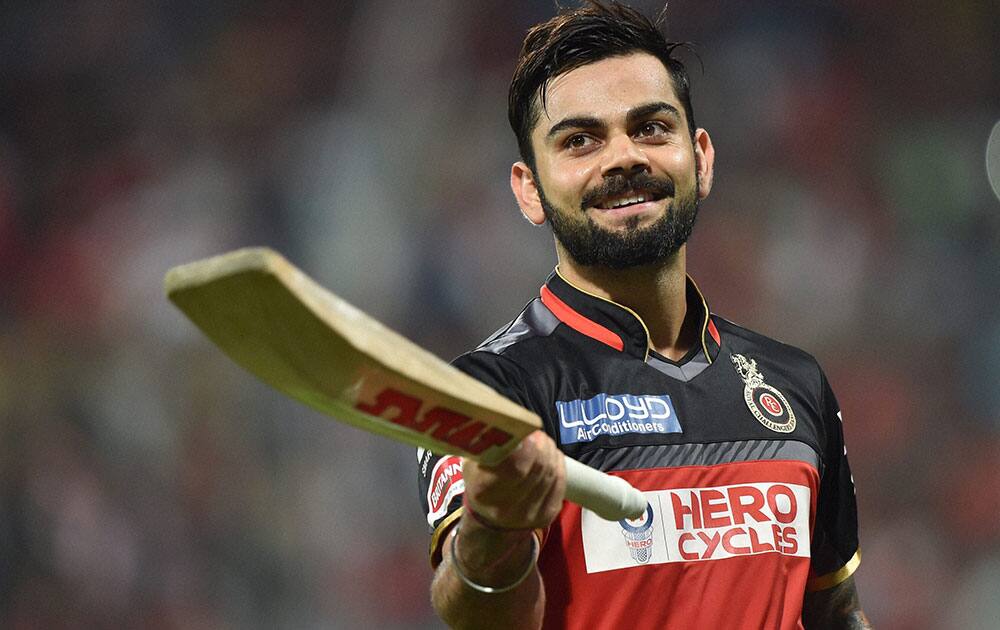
835 608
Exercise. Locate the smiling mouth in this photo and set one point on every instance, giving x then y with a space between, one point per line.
628 199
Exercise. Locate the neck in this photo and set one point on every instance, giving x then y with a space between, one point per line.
657 293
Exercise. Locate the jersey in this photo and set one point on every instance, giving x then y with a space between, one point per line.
738 448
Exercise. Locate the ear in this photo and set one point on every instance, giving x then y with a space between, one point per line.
704 154
522 183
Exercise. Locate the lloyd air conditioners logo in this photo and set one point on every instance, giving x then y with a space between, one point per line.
615 414
702 524
766 403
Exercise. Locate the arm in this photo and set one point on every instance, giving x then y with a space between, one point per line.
462 607
494 548
835 536
836 608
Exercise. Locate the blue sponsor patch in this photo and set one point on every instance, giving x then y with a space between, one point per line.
618 414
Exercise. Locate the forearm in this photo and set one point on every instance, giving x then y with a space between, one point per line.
494 545
837 608
855 620
490 559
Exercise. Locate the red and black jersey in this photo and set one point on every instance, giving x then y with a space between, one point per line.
738 448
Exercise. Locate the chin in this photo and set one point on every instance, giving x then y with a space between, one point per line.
630 222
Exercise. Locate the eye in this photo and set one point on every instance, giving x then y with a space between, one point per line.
651 129
578 141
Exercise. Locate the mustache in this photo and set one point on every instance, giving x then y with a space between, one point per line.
618 185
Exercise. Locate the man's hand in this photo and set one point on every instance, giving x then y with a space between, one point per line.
524 491
504 503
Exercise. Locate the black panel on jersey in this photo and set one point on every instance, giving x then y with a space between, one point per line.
577 383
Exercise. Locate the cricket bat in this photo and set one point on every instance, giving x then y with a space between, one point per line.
276 322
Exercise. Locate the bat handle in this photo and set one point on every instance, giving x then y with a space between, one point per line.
611 498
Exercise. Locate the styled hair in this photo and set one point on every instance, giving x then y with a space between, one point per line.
575 38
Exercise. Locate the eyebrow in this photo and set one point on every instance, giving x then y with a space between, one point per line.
645 111
633 115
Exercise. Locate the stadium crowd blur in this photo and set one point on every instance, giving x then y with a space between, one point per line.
147 482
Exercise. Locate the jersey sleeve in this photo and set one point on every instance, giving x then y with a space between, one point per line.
439 477
835 551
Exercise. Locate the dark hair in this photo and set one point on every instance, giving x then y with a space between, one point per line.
577 37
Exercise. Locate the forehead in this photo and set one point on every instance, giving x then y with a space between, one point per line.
608 89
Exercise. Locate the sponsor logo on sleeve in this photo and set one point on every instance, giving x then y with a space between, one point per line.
424 458
615 414
446 484
702 524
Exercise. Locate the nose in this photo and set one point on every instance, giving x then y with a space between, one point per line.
624 157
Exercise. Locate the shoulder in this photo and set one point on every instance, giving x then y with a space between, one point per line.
785 385
507 360
534 321
768 352
740 337
515 346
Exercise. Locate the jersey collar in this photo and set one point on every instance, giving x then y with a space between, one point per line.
618 326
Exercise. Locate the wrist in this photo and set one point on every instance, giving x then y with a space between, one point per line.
473 518
490 561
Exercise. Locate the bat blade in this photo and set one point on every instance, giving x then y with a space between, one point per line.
277 323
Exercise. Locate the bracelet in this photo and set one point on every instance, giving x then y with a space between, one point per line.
535 548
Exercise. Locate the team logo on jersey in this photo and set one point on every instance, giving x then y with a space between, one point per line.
638 533
766 403
615 414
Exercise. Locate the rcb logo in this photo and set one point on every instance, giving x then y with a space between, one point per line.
766 403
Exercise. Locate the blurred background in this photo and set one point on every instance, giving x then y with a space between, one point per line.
147 482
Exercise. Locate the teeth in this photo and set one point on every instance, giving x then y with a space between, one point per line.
628 201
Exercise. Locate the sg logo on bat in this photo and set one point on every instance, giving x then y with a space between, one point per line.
440 423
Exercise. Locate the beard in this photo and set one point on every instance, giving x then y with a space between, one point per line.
589 244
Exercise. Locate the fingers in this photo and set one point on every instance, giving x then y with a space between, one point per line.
524 491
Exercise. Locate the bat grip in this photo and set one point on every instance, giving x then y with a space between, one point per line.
611 498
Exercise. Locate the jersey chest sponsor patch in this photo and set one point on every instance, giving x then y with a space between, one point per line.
702 524
615 414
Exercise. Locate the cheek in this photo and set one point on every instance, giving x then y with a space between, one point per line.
569 179
576 177
681 161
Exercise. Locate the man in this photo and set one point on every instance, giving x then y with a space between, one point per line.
734 438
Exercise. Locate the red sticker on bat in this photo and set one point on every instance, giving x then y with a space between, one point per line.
441 423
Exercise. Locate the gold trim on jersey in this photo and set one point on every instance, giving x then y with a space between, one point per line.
706 314
441 531
704 323
830 580
621 306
